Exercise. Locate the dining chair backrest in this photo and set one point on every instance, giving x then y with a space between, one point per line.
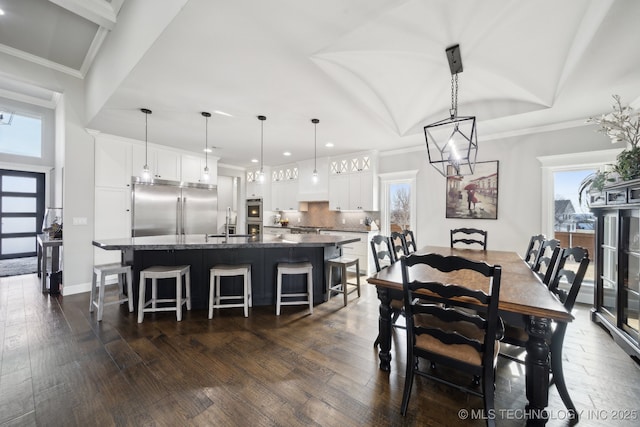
570 268
410 240
531 253
442 330
471 236
382 251
399 245
544 260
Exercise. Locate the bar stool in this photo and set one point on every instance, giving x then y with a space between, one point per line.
215 296
294 268
102 271
342 263
164 272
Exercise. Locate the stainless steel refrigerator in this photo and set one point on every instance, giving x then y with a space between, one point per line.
169 207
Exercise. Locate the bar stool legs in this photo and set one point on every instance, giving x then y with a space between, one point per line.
294 268
164 272
215 296
124 275
342 263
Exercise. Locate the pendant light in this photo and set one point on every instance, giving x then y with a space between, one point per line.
453 152
146 173
205 174
315 150
261 172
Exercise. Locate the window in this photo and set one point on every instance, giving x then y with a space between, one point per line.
22 137
398 202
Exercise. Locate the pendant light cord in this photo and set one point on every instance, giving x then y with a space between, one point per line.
454 96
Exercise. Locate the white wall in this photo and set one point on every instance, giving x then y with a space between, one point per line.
520 181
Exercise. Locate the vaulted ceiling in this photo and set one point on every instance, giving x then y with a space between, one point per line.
373 71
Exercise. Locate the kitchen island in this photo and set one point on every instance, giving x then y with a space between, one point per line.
202 252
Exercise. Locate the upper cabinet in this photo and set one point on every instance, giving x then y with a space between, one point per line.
112 162
353 182
308 190
284 188
163 163
192 168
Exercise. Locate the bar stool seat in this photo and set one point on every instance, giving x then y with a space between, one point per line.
124 276
216 298
164 272
294 268
342 263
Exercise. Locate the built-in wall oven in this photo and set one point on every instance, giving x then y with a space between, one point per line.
254 216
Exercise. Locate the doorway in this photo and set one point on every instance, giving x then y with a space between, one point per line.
22 206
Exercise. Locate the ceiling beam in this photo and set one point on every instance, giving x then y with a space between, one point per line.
97 11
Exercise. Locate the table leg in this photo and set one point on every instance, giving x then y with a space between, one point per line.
384 328
44 269
39 252
537 370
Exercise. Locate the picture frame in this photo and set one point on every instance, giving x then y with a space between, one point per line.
474 196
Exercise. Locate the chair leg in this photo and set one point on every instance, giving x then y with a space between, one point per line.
93 292
310 290
101 297
141 297
278 292
558 373
344 284
178 297
358 277
488 391
408 383
154 292
130 290
212 289
249 290
188 289
246 294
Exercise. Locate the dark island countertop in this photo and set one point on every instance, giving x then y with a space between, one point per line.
200 241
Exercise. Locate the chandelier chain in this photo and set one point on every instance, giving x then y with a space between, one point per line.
454 95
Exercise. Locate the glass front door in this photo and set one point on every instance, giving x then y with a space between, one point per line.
21 212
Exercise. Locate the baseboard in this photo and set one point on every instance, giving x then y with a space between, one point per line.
76 289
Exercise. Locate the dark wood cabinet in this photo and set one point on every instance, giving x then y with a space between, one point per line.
617 276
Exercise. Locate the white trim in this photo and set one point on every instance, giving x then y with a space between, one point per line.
27 99
393 178
40 61
78 288
97 11
96 43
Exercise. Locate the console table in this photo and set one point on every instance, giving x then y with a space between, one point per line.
44 242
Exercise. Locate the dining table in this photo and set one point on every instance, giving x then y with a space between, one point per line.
523 298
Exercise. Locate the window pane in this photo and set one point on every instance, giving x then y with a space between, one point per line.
18 225
19 204
23 137
18 184
18 245
399 206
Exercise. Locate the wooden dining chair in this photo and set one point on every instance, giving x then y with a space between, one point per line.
399 245
564 276
410 240
531 254
544 262
445 335
383 257
473 236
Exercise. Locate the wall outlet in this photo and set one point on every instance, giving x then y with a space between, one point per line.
79 221
361 221
298 219
344 221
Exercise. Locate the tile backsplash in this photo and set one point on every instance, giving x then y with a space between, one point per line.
319 215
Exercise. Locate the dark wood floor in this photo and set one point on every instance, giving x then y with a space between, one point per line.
61 367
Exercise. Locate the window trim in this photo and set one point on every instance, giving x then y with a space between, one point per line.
387 179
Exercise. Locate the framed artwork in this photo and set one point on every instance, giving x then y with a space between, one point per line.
474 196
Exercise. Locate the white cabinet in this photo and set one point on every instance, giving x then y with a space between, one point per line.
308 190
163 163
353 183
339 192
112 219
192 169
284 188
360 249
112 163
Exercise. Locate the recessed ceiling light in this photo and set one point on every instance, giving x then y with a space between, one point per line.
286 153
254 160
1 12
208 150
329 144
222 113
